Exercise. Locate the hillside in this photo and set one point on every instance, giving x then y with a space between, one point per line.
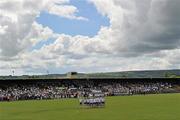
139 74
126 74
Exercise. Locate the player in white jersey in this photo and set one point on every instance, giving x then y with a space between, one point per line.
80 101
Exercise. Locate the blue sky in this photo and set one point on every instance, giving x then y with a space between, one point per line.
76 27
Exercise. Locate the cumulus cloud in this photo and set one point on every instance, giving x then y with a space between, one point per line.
142 27
18 29
142 35
67 11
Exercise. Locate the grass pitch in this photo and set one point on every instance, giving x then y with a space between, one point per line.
149 107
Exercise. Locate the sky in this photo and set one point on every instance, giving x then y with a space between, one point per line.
60 36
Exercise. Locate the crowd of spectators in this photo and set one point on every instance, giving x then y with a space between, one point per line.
137 88
39 91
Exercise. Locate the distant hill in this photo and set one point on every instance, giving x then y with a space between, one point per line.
126 74
139 74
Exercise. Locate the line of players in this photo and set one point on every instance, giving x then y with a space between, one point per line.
93 102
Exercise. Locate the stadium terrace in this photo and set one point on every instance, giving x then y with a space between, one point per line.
14 88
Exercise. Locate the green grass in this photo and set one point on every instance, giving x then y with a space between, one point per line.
150 107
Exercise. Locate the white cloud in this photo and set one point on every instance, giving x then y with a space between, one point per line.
17 23
141 35
138 28
67 11
3 29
